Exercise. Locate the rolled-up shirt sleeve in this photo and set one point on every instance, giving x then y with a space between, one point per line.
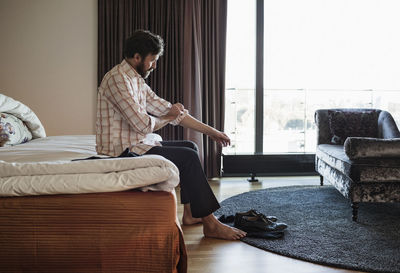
121 95
181 116
159 107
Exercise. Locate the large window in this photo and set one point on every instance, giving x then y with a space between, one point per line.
316 54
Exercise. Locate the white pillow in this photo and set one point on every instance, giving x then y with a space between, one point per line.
24 113
13 130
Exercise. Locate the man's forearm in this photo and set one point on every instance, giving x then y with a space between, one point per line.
192 123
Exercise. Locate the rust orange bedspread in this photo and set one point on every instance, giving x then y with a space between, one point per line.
128 231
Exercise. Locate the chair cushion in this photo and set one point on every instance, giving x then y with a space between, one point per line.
365 147
361 170
354 123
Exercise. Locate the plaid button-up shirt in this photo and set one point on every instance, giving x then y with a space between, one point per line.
126 107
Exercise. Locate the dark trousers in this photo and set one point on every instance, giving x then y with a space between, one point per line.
193 182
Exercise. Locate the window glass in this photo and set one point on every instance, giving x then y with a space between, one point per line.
325 54
240 76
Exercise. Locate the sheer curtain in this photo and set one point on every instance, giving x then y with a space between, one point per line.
192 70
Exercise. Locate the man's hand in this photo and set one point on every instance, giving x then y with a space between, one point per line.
220 138
179 105
175 111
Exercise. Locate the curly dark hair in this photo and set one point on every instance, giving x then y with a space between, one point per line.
143 42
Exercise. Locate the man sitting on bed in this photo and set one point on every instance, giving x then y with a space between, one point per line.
128 110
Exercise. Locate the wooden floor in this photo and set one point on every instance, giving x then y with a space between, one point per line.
208 255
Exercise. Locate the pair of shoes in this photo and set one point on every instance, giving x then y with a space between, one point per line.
230 218
254 224
253 212
253 221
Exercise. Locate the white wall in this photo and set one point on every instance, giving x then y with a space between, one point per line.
48 60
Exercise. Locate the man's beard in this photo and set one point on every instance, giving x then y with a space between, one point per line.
142 72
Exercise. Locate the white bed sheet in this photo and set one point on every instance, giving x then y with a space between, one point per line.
43 166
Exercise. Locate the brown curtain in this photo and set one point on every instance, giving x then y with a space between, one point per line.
192 70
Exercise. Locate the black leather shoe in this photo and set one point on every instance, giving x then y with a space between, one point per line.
226 219
256 223
253 212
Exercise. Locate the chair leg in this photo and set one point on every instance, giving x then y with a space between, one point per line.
354 206
321 180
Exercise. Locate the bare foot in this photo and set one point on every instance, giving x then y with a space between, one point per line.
215 229
187 218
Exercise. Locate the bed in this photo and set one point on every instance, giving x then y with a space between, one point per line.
100 215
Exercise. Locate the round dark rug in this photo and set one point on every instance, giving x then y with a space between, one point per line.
320 228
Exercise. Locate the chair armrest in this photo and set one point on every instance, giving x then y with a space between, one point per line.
387 127
321 119
364 147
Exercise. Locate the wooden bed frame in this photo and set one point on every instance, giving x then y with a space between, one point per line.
129 231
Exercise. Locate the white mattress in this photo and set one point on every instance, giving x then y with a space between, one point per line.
43 166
